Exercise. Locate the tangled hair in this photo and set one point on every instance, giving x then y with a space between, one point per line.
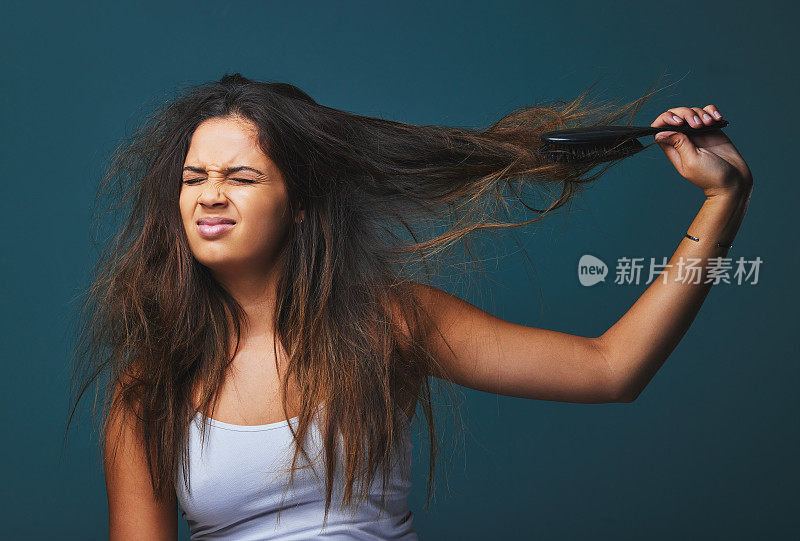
154 324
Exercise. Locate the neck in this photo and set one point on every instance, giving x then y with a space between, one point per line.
255 290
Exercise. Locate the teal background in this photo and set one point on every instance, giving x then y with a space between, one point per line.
709 450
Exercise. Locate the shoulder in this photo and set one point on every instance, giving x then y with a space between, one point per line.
438 306
425 297
439 318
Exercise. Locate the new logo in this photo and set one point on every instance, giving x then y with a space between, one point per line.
591 270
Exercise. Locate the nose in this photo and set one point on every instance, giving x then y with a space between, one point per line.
212 193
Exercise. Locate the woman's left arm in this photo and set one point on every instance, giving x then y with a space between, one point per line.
638 344
475 349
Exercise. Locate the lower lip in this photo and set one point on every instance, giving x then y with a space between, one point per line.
214 231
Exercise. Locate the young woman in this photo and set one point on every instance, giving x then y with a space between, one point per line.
264 343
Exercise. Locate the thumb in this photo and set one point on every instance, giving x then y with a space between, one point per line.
678 141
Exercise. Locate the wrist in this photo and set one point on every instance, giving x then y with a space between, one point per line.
721 214
738 190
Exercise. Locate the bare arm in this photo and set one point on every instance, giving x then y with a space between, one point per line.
481 351
475 349
639 343
133 512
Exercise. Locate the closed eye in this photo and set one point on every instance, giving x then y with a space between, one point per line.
196 180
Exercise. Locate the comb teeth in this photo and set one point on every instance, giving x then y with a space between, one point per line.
577 153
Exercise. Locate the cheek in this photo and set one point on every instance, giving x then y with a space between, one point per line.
265 219
183 205
270 221
268 208
186 215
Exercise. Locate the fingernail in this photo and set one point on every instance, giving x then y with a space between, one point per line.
717 115
706 117
677 118
697 119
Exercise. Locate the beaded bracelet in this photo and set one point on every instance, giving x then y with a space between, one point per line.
688 236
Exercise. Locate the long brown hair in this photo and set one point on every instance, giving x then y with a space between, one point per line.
154 323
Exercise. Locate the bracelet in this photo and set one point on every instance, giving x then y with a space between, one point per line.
688 236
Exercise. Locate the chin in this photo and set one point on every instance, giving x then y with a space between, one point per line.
210 253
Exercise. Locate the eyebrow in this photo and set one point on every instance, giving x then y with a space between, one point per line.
226 170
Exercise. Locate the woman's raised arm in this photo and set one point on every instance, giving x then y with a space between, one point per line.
493 355
639 343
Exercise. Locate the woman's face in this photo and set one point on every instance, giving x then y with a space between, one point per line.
227 175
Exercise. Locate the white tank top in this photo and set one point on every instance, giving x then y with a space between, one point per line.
238 477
